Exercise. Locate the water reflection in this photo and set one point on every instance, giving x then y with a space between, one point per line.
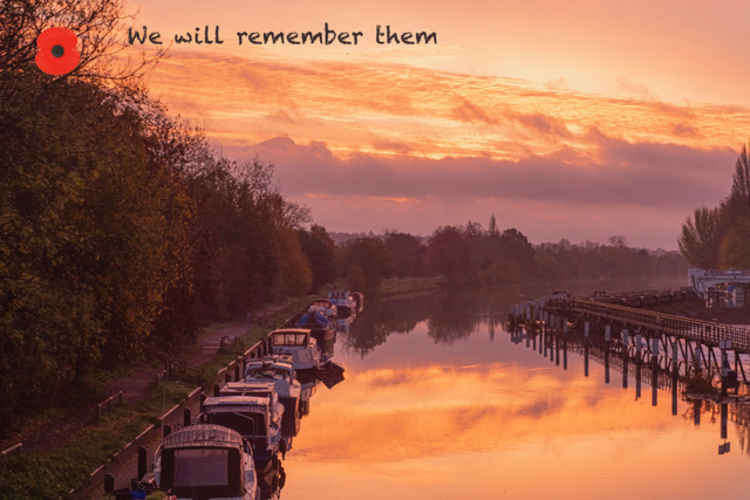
433 407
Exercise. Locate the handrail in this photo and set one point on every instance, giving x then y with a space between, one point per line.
706 331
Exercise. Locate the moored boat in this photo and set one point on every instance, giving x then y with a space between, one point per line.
251 416
300 344
206 461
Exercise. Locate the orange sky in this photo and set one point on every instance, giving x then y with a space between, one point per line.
531 110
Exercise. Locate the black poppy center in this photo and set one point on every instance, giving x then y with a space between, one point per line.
58 51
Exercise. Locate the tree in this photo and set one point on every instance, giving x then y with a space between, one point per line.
701 238
320 251
740 194
99 25
366 257
406 254
448 254
492 230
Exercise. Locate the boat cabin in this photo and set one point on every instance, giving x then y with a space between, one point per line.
299 343
251 416
206 461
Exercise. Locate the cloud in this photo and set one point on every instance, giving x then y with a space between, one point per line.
620 173
466 111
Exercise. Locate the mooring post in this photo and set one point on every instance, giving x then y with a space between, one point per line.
724 414
637 379
625 370
554 340
675 381
109 483
697 412
654 382
606 364
142 462
565 353
586 359
557 351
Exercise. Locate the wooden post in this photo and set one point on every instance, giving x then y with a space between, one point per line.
586 359
606 364
637 380
142 462
109 483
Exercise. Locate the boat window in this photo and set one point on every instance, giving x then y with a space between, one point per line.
289 339
201 467
247 424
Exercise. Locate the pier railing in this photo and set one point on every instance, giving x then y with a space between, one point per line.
707 332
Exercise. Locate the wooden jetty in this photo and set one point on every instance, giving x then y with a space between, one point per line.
672 341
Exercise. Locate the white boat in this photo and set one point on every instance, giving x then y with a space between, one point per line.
326 306
255 418
346 306
205 461
299 344
277 391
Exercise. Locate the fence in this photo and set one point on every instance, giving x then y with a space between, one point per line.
125 458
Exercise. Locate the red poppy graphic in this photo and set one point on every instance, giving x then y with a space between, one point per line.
56 51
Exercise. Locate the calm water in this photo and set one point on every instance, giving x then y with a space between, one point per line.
438 403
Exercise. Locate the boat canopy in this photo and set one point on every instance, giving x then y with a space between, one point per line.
313 319
203 435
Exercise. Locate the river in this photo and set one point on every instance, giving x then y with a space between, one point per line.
439 403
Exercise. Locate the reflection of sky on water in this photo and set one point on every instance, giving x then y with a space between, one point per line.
477 418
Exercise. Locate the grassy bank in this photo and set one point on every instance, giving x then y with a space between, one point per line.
53 472
393 287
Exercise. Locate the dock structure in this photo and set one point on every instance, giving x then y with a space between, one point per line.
642 372
680 343
663 362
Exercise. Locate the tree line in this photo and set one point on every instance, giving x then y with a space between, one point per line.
719 237
121 230
469 255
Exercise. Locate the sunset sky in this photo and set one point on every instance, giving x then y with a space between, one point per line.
577 120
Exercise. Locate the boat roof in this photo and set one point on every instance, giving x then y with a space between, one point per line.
291 330
254 385
285 364
203 435
236 401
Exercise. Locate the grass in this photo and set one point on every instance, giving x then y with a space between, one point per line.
402 286
53 473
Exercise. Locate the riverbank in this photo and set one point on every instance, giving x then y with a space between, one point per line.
61 448
402 287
